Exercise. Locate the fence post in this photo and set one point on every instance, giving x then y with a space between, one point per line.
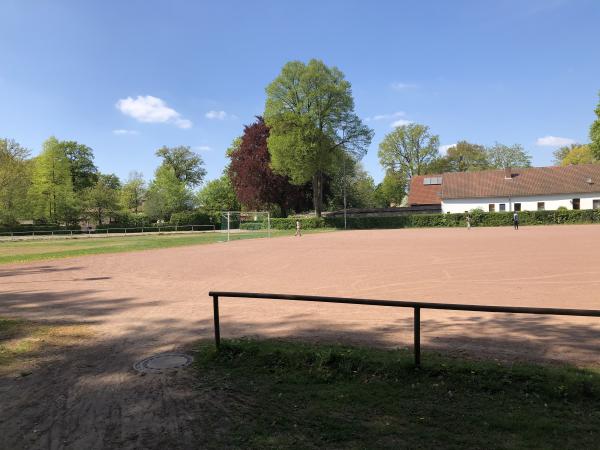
417 337
216 317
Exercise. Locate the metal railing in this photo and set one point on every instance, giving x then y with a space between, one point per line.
103 232
416 306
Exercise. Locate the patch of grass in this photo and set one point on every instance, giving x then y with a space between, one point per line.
275 394
32 250
24 344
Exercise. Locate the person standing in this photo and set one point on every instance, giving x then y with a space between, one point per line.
468 222
298 232
516 220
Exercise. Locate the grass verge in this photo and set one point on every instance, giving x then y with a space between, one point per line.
26 251
25 344
274 394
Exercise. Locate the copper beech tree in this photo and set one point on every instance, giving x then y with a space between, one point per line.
255 184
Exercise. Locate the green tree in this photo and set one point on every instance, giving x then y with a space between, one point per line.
187 165
595 133
166 194
464 157
581 154
133 192
102 199
358 184
502 156
310 113
15 180
561 153
409 149
84 173
391 191
218 195
51 191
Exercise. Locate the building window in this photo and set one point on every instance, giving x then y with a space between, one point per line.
502 207
576 203
492 207
517 207
541 206
596 204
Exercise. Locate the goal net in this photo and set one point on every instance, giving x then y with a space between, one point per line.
240 223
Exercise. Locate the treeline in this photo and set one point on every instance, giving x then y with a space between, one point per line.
63 186
302 154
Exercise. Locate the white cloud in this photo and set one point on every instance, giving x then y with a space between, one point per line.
203 148
386 116
122 131
553 141
444 148
218 115
399 123
151 109
399 86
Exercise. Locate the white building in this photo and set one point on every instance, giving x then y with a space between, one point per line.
532 189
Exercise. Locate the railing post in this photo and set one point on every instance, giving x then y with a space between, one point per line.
216 317
417 338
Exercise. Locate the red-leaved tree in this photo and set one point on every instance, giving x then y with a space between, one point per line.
255 184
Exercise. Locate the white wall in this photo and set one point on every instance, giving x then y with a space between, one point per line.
552 202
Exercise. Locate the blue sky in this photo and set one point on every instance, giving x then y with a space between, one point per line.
126 77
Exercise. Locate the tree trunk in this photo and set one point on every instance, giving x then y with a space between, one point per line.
318 193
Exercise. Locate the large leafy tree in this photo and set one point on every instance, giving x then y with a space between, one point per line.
133 192
561 153
255 184
502 156
409 149
391 191
466 157
595 134
357 184
166 194
186 165
15 179
84 173
310 113
102 199
51 190
581 154
218 195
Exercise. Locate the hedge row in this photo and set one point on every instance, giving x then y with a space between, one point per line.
478 219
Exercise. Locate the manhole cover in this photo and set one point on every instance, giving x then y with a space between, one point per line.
163 362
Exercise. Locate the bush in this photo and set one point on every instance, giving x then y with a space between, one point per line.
478 218
306 223
191 218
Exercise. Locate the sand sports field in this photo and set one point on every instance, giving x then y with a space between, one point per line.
142 303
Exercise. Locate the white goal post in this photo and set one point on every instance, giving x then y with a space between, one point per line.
246 222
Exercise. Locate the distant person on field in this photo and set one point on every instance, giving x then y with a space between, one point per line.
516 220
298 232
468 222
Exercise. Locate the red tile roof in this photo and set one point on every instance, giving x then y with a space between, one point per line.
424 194
576 179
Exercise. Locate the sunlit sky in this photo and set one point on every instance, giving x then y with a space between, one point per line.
127 77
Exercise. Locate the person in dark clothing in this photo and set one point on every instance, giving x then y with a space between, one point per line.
516 220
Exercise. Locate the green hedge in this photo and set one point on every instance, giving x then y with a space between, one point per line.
289 223
191 218
478 219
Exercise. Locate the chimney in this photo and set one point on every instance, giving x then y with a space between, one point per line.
508 173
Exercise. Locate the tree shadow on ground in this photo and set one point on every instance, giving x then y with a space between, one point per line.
30 270
91 397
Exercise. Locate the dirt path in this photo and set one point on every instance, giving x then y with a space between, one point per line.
143 303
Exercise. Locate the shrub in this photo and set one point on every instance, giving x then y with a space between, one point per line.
289 223
191 218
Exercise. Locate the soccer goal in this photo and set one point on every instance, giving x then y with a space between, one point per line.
243 222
